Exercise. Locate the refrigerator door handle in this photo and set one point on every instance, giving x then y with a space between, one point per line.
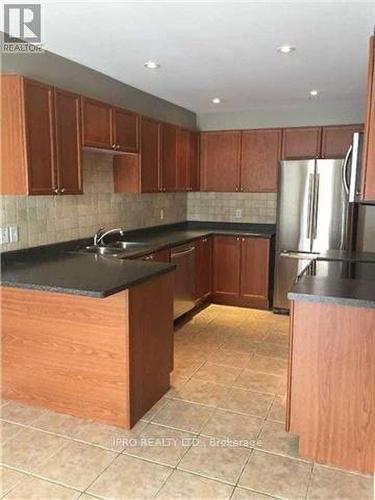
314 230
345 169
310 206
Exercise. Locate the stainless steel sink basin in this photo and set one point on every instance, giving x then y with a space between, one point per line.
128 245
100 250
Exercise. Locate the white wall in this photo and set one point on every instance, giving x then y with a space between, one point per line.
315 112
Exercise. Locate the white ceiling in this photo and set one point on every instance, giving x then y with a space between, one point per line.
225 49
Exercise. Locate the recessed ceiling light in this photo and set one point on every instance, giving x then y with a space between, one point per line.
151 65
314 92
216 100
286 49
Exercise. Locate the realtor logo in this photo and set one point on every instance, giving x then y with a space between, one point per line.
22 28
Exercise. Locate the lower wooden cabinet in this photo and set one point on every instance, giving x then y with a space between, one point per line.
203 268
241 271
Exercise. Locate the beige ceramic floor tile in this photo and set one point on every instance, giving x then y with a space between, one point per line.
261 382
38 489
218 373
9 478
130 478
242 494
228 358
275 475
243 401
147 417
201 391
30 448
76 465
274 438
339 485
268 364
59 423
215 459
185 368
274 350
184 486
241 343
277 338
9 430
20 413
163 445
278 409
183 415
243 429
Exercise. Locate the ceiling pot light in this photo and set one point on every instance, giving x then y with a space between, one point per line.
151 65
216 100
314 92
286 49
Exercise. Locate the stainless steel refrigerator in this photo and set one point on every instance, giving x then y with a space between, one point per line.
314 215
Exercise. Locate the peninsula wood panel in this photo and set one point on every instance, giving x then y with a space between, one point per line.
260 156
332 384
220 161
337 140
255 264
301 143
368 185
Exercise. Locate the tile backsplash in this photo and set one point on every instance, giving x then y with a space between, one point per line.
232 207
50 219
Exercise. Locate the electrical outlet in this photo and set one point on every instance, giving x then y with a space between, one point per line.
161 213
239 213
13 234
4 235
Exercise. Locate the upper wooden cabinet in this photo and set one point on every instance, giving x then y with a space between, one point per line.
368 181
168 163
260 156
150 155
183 160
337 140
220 160
108 127
41 149
301 143
193 178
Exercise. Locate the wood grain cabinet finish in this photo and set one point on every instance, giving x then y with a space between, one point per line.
41 147
220 161
260 156
193 179
203 268
368 182
125 130
150 155
255 268
226 267
301 143
96 124
168 163
183 160
337 140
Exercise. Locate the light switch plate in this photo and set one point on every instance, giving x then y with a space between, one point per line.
239 213
161 213
4 235
13 234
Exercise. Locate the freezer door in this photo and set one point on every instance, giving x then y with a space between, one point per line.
331 222
295 204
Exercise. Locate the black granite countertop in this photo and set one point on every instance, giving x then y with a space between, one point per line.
348 280
62 268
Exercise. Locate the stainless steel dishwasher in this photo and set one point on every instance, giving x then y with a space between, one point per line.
184 285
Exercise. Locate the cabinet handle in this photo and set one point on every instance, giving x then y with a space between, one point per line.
238 239
56 190
62 190
117 147
113 146
204 240
149 257
243 239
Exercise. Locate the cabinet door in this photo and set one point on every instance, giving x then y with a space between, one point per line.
255 260
220 161
260 156
68 142
182 159
337 140
193 183
96 124
301 143
368 187
203 268
226 267
125 130
150 155
168 165
39 128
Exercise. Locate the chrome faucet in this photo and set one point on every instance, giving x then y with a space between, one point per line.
101 233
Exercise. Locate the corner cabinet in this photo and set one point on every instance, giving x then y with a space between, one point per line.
241 271
41 147
368 181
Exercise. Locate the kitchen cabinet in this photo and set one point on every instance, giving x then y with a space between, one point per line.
168 163
220 160
183 160
150 155
108 127
368 181
41 148
241 271
337 140
193 182
301 143
203 268
260 156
